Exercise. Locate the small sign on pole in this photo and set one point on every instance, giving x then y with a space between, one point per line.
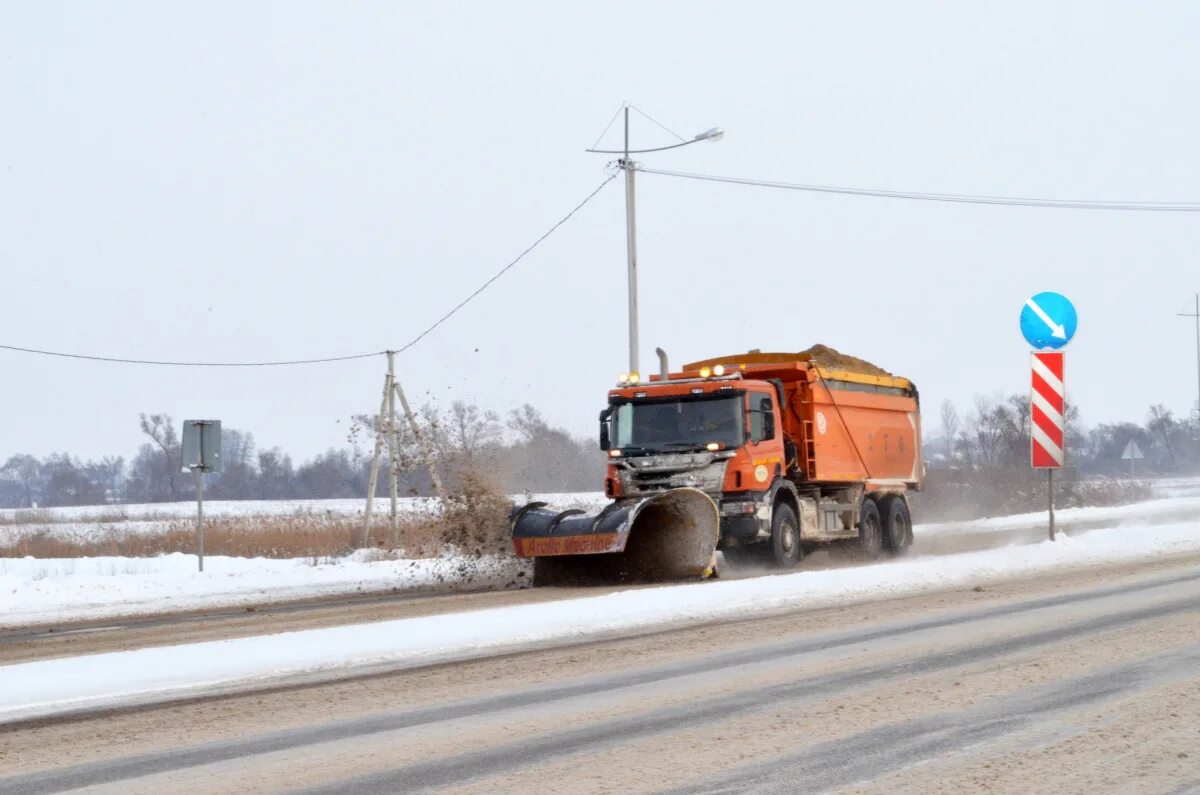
1048 323
1132 453
200 451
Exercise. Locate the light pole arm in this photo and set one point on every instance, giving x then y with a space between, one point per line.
643 151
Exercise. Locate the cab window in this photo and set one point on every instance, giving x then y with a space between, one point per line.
762 420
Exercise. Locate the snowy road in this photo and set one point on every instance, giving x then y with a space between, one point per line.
1078 680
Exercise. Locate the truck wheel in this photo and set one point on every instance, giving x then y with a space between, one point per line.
870 530
897 525
785 537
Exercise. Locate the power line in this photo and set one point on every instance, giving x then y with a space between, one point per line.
122 360
962 198
284 363
507 267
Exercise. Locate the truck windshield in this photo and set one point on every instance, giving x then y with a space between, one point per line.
679 424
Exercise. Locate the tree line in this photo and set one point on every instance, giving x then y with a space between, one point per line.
515 453
978 462
980 456
994 436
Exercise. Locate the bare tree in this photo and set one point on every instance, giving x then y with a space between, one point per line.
528 423
26 472
109 473
276 477
471 429
1161 424
161 430
950 421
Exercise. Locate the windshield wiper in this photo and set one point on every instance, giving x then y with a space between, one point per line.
692 445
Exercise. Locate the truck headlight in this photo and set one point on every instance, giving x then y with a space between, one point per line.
737 508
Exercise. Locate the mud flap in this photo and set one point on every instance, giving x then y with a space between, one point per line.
672 535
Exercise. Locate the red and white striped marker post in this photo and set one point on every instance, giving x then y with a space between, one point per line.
1047 413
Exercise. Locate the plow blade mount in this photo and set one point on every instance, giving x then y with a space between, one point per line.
667 536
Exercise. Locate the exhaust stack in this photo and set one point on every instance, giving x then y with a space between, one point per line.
664 370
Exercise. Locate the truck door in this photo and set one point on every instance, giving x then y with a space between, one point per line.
766 438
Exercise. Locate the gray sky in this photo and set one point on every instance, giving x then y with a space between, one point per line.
279 180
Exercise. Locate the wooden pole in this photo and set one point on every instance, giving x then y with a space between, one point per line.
393 451
422 443
373 479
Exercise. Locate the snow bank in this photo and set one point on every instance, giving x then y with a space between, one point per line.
43 590
49 686
1135 513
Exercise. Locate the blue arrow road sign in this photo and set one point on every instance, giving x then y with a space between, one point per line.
1048 320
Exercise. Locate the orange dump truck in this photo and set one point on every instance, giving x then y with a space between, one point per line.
777 450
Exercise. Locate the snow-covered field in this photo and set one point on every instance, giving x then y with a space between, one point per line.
1177 487
186 509
49 686
98 522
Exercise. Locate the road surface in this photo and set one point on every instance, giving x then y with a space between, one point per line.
1086 681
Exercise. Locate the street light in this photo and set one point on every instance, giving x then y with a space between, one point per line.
629 167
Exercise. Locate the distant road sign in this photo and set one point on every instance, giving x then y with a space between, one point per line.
1132 451
1047 411
201 445
1048 320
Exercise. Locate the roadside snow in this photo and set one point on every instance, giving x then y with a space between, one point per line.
1136 513
49 686
44 590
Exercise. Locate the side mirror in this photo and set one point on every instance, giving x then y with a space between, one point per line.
604 441
768 419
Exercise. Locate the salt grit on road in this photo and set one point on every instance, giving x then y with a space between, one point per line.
47 687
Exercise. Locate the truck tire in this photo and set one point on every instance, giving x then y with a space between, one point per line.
897 525
785 537
870 530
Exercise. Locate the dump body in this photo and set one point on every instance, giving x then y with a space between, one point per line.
838 449
848 427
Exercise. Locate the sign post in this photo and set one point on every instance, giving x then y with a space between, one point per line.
1048 321
201 452
1132 453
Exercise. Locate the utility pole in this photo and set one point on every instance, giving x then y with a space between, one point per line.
629 167
631 250
1196 314
394 452
422 444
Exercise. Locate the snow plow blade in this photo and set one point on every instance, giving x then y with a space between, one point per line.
667 536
